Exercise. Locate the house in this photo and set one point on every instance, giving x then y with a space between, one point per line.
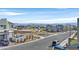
6 29
49 28
59 28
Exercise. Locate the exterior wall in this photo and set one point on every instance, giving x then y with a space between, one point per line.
54 28
5 25
9 25
4 35
11 34
60 28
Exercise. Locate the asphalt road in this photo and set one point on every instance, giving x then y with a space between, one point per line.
40 44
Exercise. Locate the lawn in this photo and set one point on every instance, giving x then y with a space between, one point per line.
73 41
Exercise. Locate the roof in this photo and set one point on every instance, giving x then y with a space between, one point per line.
4 20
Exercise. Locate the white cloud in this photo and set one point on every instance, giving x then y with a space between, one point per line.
50 21
3 10
10 13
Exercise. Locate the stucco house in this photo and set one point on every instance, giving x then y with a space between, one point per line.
6 29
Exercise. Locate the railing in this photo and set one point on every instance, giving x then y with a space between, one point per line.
62 45
66 41
10 30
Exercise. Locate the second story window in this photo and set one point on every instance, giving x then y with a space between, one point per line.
1 25
11 26
4 26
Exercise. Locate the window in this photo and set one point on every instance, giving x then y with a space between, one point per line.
4 26
2 37
11 26
1 25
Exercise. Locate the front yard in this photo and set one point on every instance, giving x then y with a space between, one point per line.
73 41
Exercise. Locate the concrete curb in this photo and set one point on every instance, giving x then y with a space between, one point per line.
66 41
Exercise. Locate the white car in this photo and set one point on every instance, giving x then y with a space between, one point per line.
20 38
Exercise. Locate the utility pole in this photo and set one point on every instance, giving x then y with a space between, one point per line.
70 29
69 40
78 29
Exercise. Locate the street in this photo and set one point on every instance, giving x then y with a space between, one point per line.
40 44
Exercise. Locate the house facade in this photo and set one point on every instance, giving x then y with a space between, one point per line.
6 29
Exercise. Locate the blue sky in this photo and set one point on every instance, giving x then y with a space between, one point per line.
40 15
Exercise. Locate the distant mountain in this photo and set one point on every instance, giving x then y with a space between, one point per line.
66 23
35 24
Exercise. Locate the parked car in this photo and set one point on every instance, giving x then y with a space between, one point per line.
56 46
20 38
55 42
11 40
4 42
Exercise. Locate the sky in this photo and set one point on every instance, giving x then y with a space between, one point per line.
40 15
